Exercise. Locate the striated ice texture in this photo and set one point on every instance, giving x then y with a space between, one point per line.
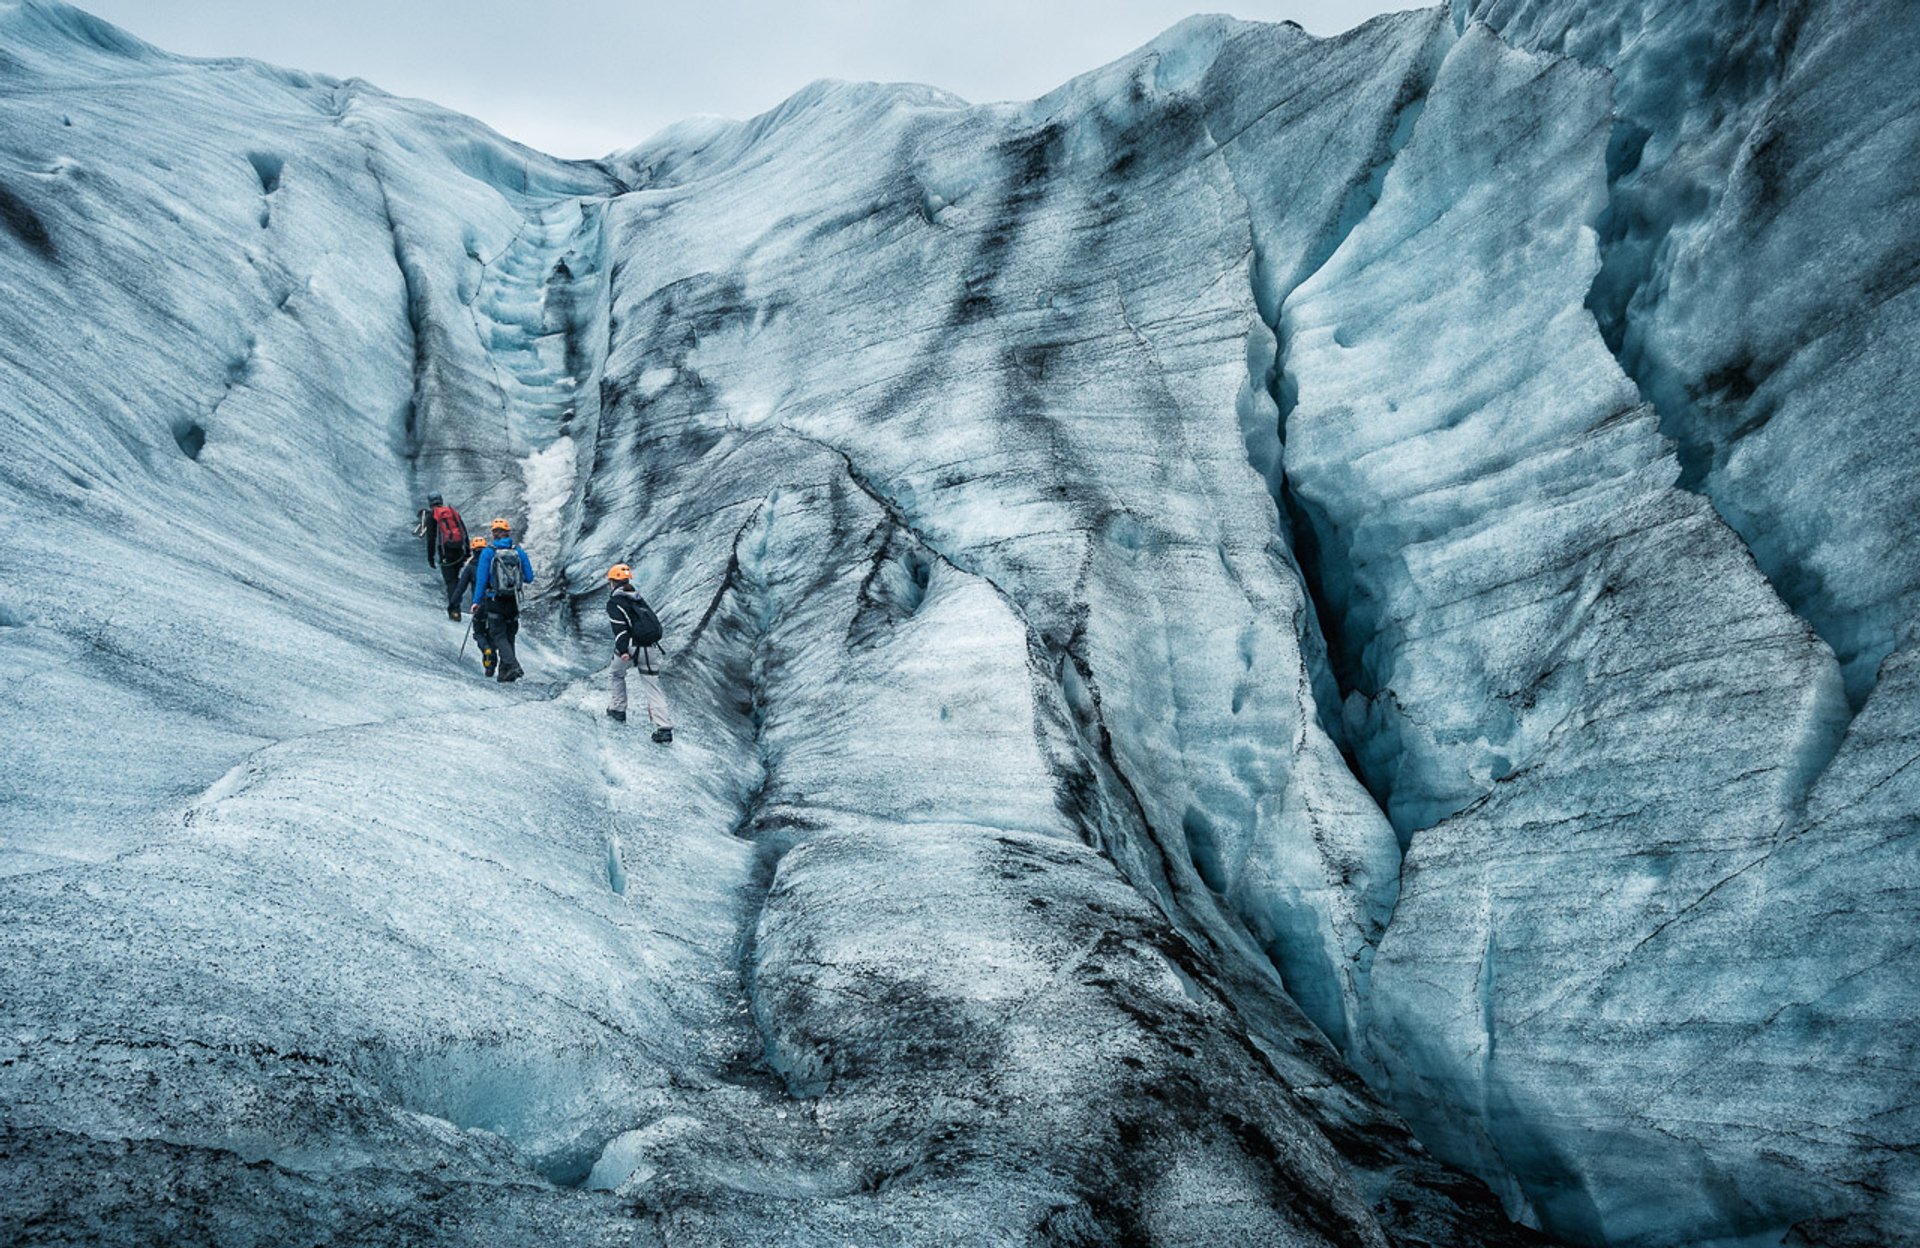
1298 642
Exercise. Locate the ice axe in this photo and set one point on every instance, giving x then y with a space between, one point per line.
463 636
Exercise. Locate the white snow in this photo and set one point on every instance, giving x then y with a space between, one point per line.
549 474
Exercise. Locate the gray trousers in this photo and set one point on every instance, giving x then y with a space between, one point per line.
647 672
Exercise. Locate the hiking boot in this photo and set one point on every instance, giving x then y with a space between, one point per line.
619 716
453 613
511 674
488 665
663 736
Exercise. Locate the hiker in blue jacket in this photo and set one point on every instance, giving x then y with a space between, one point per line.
497 578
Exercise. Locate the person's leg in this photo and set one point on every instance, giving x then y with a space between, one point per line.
483 639
617 686
504 626
450 573
649 673
656 700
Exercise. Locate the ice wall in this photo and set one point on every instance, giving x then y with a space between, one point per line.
1500 511
1758 278
313 936
1180 592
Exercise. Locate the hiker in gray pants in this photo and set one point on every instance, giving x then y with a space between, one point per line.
636 636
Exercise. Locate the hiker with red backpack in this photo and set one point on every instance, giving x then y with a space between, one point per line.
497 577
446 535
636 647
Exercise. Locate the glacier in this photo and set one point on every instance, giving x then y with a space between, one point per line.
1301 641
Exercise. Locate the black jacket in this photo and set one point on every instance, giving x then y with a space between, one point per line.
465 586
624 608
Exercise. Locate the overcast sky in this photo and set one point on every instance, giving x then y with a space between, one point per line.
586 77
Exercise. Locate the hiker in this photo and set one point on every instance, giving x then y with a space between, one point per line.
502 569
460 594
636 642
446 535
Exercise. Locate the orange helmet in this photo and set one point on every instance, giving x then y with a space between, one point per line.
501 526
477 543
620 572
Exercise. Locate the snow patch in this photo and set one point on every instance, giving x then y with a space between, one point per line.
550 475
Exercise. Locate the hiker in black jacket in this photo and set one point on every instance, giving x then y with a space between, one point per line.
636 645
446 536
461 590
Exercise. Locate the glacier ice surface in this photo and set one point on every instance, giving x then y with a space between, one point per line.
1286 590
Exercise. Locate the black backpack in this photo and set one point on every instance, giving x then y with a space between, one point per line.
646 626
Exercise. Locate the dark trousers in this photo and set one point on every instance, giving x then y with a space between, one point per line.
501 618
450 573
483 639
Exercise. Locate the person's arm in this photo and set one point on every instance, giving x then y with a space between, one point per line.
622 625
465 583
526 565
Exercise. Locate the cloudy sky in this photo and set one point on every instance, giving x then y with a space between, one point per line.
585 77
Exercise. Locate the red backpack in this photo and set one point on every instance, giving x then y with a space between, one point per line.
452 531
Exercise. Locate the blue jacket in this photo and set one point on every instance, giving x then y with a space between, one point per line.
483 573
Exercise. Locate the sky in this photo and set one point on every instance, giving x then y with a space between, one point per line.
587 77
